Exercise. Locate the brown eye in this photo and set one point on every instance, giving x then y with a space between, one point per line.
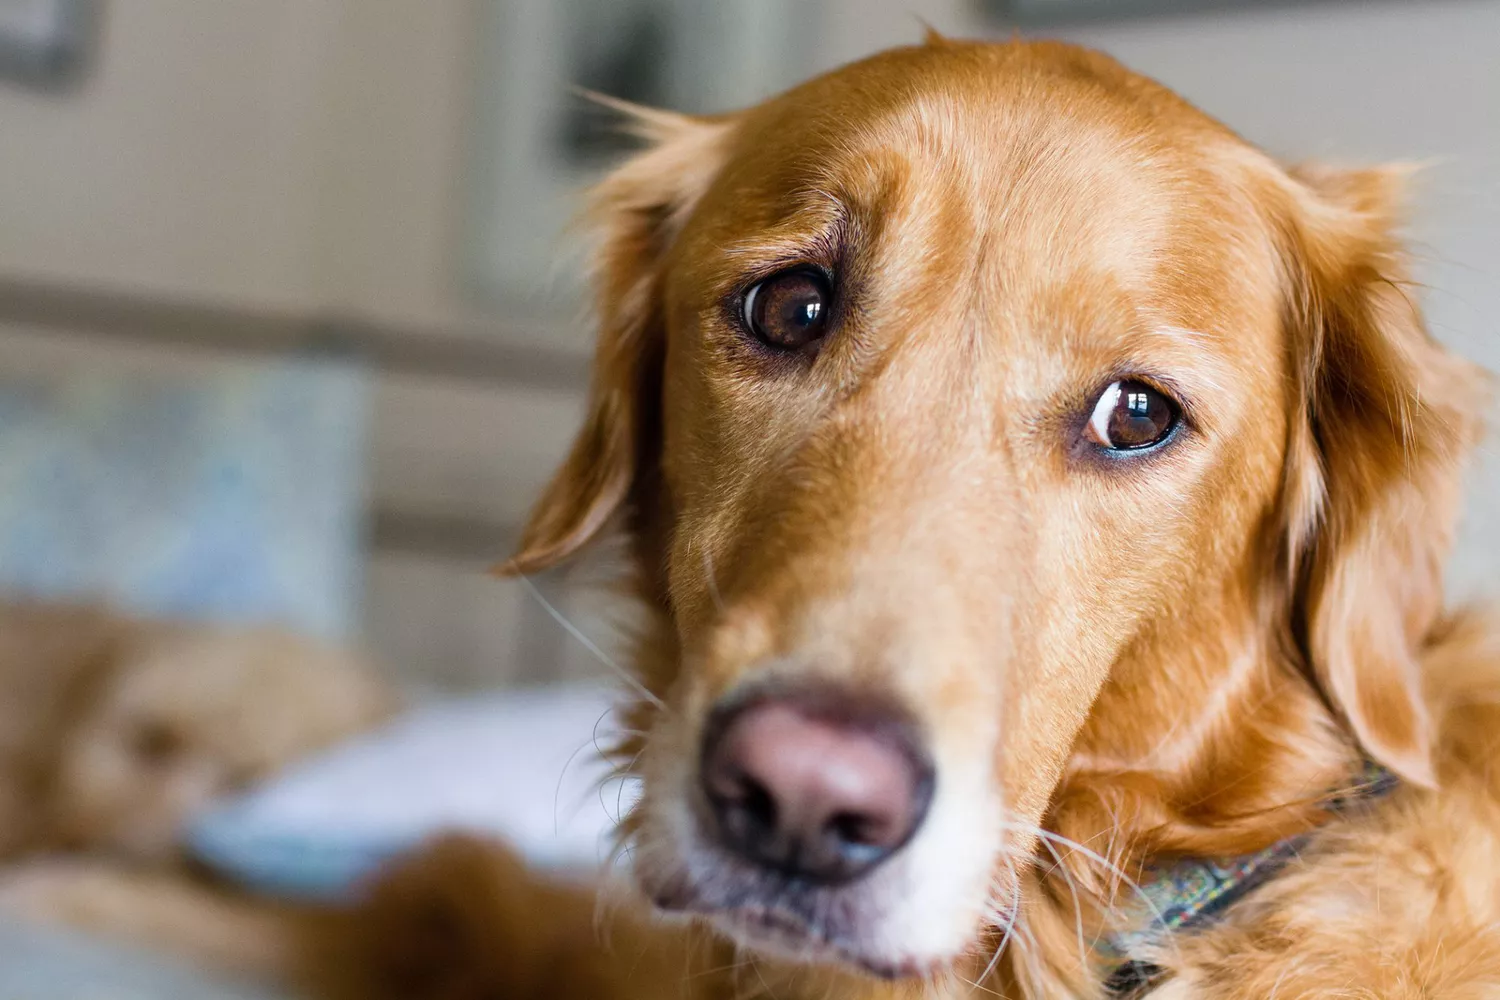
1130 416
788 310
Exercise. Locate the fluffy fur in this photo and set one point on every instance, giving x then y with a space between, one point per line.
116 731
1113 661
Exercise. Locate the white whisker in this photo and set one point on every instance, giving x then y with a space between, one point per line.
1083 960
573 630
1011 917
1157 916
713 585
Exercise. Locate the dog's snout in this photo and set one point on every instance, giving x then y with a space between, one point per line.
816 793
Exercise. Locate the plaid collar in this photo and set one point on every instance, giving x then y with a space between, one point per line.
1191 891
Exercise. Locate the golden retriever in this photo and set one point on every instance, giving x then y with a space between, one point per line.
1033 486
115 732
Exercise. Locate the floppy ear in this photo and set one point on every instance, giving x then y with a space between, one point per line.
636 212
1376 459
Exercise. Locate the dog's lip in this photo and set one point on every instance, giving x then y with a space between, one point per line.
774 927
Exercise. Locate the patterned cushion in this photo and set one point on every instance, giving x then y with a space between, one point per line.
229 496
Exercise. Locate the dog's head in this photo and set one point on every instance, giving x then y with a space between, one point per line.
174 717
983 415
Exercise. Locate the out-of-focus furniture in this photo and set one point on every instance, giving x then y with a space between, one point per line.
47 963
462 433
249 180
231 496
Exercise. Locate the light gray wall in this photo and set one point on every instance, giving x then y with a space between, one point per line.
1353 81
287 156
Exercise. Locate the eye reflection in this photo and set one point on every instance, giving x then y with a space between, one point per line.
1131 416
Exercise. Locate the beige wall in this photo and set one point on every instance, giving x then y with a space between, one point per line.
392 158
179 166
270 154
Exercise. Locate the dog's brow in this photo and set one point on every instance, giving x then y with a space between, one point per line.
1208 369
810 232
1195 337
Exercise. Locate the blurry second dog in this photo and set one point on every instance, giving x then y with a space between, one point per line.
114 733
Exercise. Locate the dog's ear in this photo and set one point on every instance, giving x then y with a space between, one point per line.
1386 418
635 214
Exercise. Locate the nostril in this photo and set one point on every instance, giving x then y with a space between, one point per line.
856 829
805 786
759 804
746 808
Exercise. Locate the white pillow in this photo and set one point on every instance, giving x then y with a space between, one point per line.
523 766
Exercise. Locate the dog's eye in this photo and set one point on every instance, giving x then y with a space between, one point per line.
788 310
1129 416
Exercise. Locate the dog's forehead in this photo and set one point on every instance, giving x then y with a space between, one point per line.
1005 115
1035 175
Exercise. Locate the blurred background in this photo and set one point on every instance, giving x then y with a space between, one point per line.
291 328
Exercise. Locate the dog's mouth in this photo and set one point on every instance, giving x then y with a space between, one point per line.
778 931
807 924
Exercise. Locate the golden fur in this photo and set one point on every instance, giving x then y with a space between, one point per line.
1182 654
117 731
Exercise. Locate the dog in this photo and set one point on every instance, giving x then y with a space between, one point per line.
1039 496
117 732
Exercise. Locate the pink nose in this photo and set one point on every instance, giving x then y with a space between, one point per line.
808 787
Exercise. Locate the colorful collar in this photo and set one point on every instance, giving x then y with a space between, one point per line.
1191 891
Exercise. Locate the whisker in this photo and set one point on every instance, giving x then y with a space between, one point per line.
713 585
1083 961
562 775
1158 918
1010 921
982 988
755 964
737 965
573 630
1026 943
621 777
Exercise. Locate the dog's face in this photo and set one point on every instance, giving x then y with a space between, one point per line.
179 716
947 390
